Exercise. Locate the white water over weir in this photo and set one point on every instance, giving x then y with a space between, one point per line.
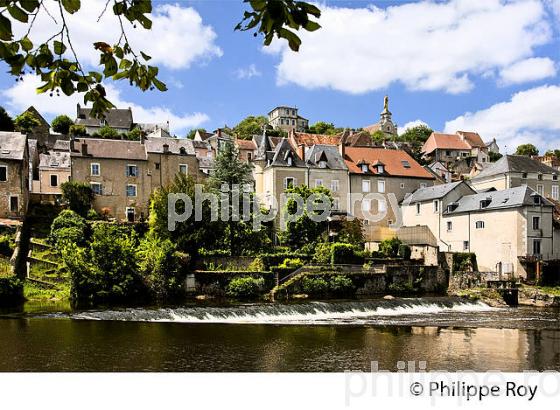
297 313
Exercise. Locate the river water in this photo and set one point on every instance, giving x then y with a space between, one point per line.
447 334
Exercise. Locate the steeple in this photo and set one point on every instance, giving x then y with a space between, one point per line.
386 122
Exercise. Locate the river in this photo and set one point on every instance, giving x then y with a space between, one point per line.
446 333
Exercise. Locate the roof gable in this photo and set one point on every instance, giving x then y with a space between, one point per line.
514 163
395 162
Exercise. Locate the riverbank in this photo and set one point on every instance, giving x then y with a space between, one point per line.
538 296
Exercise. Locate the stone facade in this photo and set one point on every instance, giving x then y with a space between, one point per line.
14 175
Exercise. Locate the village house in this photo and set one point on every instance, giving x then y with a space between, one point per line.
508 230
14 175
124 173
119 119
512 171
246 149
287 119
53 171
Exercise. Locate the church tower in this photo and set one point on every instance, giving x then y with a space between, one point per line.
386 123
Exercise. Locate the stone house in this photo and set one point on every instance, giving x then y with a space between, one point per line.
508 230
14 175
54 170
247 149
287 119
512 171
123 174
119 119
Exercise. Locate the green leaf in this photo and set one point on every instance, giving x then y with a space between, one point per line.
17 13
26 44
145 56
145 21
159 85
30 5
59 48
82 87
71 6
293 40
5 28
311 26
67 86
110 66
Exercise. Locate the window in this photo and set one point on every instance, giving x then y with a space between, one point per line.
157 165
365 186
381 205
536 246
555 192
364 168
524 175
14 204
465 245
402 185
449 226
54 180
335 185
131 171
318 182
131 190
322 164
183 169
3 173
436 205
448 153
479 224
290 161
96 188
423 185
95 169
366 205
536 222
380 169
536 200
381 186
484 203
539 177
418 209
555 177
540 189
335 204
405 163
249 156
289 182
130 214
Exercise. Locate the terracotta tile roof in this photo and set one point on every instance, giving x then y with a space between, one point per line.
394 161
357 139
444 141
246 144
372 127
314 139
472 138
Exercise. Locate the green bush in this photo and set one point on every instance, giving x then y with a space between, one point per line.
342 253
257 265
404 251
78 196
92 215
464 261
314 286
11 290
390 247
7 245
245 287
323 252
275 259
293 263
67 227
341 285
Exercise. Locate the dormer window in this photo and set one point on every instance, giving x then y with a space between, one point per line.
380 169
322 164
405 164
182 151
290 161
555 177
537 200
484 203
539 177
364 168
524 175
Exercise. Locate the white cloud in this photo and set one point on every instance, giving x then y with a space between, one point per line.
178 37
531 69
248 72
411 124
424 45
20 96
530 116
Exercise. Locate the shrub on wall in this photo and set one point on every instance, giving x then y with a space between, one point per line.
292 263
245 287
404 251
342 253
67 227
323 253
341 285
464 261
390 247
314 286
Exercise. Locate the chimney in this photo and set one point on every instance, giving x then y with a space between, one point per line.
341 149
219 133
84 148
142 137
71 143
301 151
165 148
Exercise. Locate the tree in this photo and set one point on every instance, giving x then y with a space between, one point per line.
378 136
77 130
555 153
133 135
321 127
229 169
494 156
67 227
57 64
527 150
25 122
351 231
107 133
418 134
78 196
62 124
304 230
6 122
250 126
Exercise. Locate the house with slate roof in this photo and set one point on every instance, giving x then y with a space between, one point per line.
14 175
512 171
119 119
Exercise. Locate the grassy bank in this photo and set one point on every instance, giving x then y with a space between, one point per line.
33 291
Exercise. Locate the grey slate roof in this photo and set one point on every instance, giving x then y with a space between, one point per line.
281 153
61 145
329 153
12 145
55 159
507 198
115 117
432 192
514 163
106 148
155 144
205 163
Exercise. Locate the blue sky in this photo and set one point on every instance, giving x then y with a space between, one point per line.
485 65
